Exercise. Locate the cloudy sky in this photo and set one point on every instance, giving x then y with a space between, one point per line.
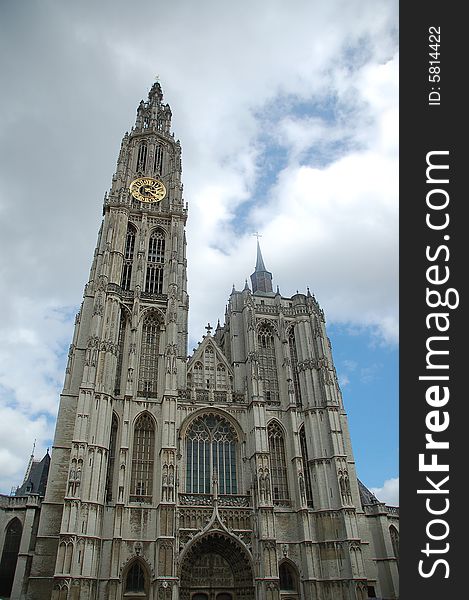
287 114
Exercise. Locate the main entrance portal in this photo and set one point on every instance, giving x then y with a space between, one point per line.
216 568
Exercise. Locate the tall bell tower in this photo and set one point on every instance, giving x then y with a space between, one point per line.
227 475
127 358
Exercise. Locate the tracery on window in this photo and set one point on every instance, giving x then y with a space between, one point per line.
209 364
268 363
211 447
278 465
294 365
158 164
149 350
221 377
208 373
155 263
135 580
198 375
142 157
128 258
306 469
141 483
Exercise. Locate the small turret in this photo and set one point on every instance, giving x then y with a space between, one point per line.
261 279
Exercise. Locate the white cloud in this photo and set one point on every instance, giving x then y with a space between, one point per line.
239 77
389 493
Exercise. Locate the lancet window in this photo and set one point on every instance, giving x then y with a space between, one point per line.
211 447
111 458
158 165
141 483
394 541
149 350
268 363
128 258
120 353
306 470
278 465
9 558
135 580
294 365
142 157
287 577
155 263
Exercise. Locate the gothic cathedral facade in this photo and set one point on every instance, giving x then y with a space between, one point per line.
226 475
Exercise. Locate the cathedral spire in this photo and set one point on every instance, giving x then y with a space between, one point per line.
153 114
261 279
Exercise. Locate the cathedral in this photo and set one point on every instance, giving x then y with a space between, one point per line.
225 475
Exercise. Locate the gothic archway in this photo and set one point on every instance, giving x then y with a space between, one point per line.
216 567
135 581
9 558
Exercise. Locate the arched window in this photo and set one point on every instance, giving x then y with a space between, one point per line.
294 365
394 541
142 157
111 457
149 349
11 547
209 364
128 258
304 454
198 375
287 578
268 363
135 580
158 165
120 353
221 377
141 483
155 263
211 446
278 465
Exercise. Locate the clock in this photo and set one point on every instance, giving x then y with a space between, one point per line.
146 189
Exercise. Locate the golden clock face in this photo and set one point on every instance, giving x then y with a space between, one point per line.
146 189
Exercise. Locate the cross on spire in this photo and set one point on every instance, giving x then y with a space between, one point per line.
209 328
257 235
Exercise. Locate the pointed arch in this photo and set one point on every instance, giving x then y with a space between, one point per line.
136 580
111 457
306 468
158 163
149 352
120 351
155 262
11 546
268 362
288 577
143 459
128 257
216 558
278 464
142 156
292 346
211 450
394 533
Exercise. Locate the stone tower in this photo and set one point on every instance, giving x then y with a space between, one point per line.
228 475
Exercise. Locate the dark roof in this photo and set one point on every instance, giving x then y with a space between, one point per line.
366 496
37 479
